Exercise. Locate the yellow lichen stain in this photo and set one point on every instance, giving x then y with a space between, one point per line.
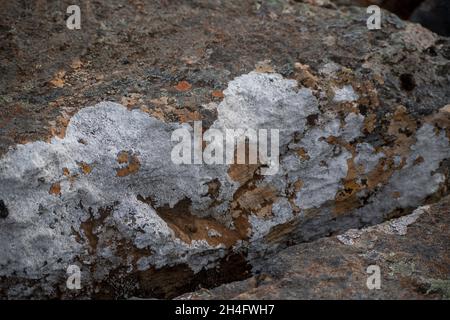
303 154
85 168
296 187
368 93
217 94
76 64
346 198
165 109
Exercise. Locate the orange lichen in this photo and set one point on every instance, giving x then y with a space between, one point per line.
55 189
217 94
303 154
183 86
133 164
122 157
66 172
85 168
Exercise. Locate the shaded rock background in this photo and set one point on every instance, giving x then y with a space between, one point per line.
433 14
172 59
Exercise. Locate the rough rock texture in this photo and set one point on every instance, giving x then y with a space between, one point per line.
364 137
412 253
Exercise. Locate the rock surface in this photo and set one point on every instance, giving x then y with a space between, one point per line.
364 137
412 253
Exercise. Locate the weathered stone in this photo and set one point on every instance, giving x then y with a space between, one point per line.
364 137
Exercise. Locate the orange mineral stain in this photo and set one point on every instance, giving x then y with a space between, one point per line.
183 86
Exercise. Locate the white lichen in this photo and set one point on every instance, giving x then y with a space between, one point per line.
345 94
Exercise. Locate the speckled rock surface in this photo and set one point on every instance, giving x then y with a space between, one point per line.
364 137
412 253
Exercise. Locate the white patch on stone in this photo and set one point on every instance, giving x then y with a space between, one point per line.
345 94
40 227
266 101
212 233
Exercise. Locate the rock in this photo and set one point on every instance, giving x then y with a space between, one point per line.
363 138
335 268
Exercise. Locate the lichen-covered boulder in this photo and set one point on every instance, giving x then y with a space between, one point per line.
364 136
